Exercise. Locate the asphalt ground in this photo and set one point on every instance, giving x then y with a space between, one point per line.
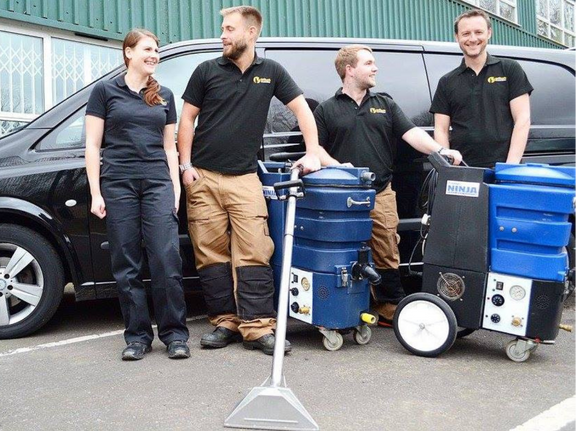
69 376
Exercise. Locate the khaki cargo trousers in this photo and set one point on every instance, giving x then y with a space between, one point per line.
384 245
227 221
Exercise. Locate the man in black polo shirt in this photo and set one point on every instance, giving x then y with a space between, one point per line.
227 215
485 100
362 128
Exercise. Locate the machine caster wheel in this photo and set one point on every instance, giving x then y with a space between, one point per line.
362 335
464 332
333 342
425 325
520 350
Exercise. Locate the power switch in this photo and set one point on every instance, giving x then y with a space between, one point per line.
499 285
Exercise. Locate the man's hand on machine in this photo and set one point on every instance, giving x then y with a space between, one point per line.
453 156
308 163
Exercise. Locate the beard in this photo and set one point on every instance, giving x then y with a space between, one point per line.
235 50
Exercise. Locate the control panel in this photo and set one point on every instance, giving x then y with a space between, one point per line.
506 304
300 295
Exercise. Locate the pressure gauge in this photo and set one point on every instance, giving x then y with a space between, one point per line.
517 292
305 284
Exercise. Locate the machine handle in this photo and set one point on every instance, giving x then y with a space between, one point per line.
282 157
350 202
282 185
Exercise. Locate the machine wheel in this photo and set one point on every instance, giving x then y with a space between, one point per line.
514 354
425 325
464 332
333 346
31 281
362 336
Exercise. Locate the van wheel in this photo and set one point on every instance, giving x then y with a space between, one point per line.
31 281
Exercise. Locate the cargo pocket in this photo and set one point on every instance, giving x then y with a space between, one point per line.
255 290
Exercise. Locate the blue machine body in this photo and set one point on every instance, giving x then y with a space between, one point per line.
332 225
529 214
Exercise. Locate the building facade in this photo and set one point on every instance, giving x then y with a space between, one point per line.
51 48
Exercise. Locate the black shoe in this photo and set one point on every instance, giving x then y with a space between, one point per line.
178 349
135 351
266 344
221 337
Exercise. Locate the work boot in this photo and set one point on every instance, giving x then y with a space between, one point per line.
135 351
178 349
386 312
219 338
266 344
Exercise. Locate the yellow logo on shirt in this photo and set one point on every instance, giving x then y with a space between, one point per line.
493 79
377 111
258 80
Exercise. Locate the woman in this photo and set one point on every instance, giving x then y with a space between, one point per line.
138 190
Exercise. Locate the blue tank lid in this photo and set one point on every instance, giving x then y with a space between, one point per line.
339 176
535 173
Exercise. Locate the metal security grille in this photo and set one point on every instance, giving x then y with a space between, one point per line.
21 74
75 64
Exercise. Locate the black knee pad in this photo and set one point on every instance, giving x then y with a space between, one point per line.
255 291
218 288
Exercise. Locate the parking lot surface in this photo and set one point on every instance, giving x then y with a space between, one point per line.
69 376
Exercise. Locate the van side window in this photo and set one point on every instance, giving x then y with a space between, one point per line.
69 135
552 101
400 74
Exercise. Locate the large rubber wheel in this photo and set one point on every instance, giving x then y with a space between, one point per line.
425 325
31 281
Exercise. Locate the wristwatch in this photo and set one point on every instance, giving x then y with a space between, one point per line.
184 167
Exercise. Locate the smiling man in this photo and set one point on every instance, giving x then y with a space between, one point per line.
485 100
363 128
227 215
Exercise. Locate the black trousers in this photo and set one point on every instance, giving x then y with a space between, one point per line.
139 210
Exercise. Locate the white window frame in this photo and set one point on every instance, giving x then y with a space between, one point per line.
546 19
46 34
513 3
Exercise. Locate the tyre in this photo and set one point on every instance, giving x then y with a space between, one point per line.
31 281
333 346
425 325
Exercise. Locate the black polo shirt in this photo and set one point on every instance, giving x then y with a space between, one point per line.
233 111
479 108
133 143
364 135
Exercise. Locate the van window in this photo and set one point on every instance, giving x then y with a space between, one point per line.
70 134
175 72
401 75
552 101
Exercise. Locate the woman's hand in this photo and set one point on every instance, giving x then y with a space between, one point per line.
98 206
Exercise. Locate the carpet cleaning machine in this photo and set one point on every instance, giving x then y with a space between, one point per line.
495 257
331 266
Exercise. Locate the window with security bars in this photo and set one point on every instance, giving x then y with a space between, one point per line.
556 20
507 9
38 70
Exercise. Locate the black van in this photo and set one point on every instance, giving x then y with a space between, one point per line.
49 238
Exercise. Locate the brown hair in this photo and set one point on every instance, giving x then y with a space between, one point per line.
249 13
471 14
348 55
152 92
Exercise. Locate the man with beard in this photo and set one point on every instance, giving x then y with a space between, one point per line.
227 215
486 100
362 128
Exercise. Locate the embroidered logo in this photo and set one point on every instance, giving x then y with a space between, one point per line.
377 110
258 80
493 79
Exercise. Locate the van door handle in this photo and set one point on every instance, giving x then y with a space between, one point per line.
350 202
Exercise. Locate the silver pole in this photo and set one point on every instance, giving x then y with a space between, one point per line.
281 322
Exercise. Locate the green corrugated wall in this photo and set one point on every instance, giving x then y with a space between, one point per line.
175 20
